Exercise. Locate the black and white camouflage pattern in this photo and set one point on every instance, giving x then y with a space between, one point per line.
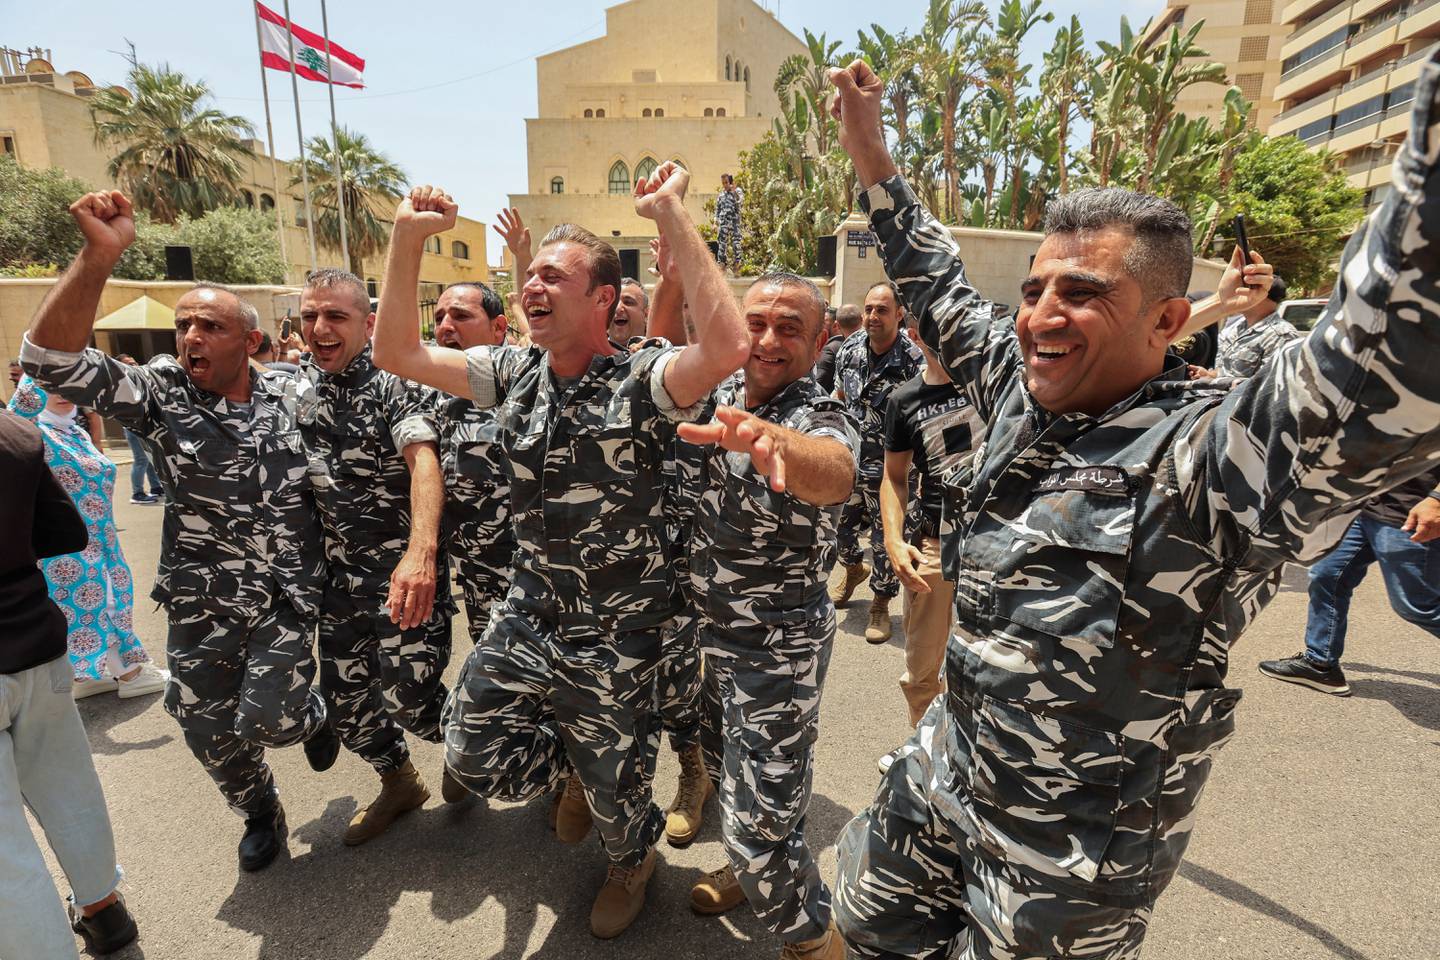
1106 566
678 678
1242 348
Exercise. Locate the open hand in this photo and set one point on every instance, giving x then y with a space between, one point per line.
512 227
107 220
427 210
905 559
669 181
741 432
412 590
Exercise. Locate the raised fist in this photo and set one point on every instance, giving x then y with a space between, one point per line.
670 180
858 96
107 220
428 210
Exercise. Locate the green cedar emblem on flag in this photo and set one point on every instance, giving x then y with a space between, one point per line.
310 57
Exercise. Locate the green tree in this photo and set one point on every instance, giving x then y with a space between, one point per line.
948 52
176 155
1298 207
371 185
34 225
1172 66
233 245
1065 84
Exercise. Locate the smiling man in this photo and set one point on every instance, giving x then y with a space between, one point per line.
242 564
631 313
1119 529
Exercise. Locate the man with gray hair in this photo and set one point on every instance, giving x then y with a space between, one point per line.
242 567
1116 533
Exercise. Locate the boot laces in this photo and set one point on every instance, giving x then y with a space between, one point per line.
691 770
723 877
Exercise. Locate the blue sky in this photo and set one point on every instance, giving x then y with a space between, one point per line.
449 82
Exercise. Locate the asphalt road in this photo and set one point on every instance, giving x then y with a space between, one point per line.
1316 837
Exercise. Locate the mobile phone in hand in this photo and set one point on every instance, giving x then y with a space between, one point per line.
285 329
1242 240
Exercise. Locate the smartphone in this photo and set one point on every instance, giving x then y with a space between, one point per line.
1242 240
285 329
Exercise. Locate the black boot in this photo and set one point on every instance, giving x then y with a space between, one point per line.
264 837
322 748
108 930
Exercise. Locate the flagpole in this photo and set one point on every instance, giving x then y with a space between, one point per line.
300 135
335 138
270 140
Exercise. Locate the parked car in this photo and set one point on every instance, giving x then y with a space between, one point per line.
1302 314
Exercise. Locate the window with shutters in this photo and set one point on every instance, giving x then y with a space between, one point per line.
1254 48
1259 11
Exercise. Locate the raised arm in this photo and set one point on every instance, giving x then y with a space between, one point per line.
66 317
511 226
667 300
424 212
721 344
1238 292
816 469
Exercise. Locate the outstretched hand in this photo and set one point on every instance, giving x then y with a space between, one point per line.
107 221
512 228
669 181
741 432
1243 287
427 210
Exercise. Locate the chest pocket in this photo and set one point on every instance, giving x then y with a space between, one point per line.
476 446
1066 569
602 438
350 456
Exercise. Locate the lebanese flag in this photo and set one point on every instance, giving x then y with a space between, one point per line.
347 69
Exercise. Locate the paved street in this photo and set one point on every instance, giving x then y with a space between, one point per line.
1316 836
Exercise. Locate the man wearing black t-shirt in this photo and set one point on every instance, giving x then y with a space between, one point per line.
928 422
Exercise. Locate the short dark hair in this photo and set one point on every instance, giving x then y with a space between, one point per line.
1278 290
848 317
249 316
632 282
894 291
604 261
781 278
1160 257
489 299
327 277
265 344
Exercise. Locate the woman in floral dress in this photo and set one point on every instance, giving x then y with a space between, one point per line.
93 588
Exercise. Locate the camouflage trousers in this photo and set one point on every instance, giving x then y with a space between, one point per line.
860 514
728 230
241 684
484 579
677 679
762 720
911 884
379 680
531 707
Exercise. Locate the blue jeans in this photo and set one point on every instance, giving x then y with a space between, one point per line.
1412 579
140 468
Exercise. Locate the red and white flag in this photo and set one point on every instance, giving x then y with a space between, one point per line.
346 69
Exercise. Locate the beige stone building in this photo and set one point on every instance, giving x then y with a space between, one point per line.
1246 36
692 82
1348 79
45 122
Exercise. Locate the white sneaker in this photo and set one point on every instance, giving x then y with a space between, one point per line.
88 688
150 679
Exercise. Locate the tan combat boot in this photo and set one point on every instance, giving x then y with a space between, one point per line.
401 791
572 813
687 812
879 629
622 898
855 574
829 947
716 892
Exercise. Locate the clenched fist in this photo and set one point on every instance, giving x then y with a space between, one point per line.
107 220
428 210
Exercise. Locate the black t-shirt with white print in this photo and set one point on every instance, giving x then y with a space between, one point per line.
937 424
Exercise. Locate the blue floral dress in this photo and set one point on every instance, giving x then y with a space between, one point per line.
93 588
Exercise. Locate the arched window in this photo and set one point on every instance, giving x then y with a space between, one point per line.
248 198
659 111
589 113
709 111
720 112
557 184
747 78
620 178
645 169
267 202
459 250
727 66
432 243
600 114
682 163
646 112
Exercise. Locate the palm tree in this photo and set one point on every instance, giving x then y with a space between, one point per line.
948 53
807 76
1068 66
176 155
371 184
1179 63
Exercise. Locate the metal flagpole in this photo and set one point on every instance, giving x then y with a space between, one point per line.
270 140
300 134
335 139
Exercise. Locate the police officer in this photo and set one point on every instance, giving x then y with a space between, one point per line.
783 461
727 222
873 361
384 639
564 678
242 565
1121 526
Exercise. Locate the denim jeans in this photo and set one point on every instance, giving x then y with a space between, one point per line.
1412 579
45 764
140 467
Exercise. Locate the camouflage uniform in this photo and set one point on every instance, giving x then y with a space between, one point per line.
241 564
727 225
377 679
866 381
678 678
565 673
476 529
1243 348
760 564
1107 565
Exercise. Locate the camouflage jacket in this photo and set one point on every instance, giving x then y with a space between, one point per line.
587 485
477 479
1107 564
355 424
866 383
240 526
760 559
1243 348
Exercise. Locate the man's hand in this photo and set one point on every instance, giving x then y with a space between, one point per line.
905 558
512 228
1424 519
412 589
1198 372
741 432
427 211
665 266
857 107
1242 289
667 183
107 220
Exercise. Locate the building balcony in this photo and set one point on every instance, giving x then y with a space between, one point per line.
1370 43
1324 71
1298 10
1320 105
1421 20
1314 30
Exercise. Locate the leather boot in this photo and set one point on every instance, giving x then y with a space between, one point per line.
572 813
401 791
855 574
687 812
263 840
829 947
716 892
451 790
322 748
621 898
879 629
